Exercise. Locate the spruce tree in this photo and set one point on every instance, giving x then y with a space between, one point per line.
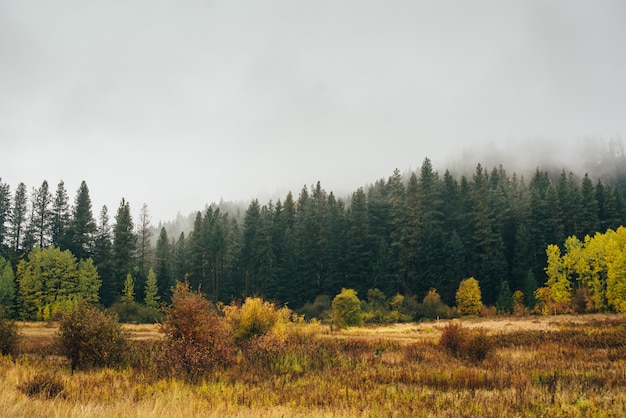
82 228
19 212
5 213
124 246
60 217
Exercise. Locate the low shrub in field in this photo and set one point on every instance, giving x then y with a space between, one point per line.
9 334
197 339
89 338
255 318
465 344
454 338
270 338
45 385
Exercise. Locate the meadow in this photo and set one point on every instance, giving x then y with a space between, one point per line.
533 366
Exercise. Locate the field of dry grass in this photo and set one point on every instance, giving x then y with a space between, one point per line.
536 366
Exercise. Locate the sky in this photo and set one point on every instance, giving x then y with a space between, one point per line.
177 104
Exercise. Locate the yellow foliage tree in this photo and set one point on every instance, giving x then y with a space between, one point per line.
558 283
469 297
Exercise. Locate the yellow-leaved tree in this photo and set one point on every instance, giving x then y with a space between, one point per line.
469 297
558 283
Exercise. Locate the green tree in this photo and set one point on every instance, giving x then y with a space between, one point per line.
347 309
52 281
19 213
102 257
505 299
7 285
5 212
128 293
82 227
60 217
163 265
124 245
42 200
151 291
144 246
469 297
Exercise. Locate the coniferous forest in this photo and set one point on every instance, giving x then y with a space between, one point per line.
404 234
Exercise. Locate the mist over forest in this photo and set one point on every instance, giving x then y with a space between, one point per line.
602 159
406 234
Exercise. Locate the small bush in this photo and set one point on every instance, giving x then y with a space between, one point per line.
454 338
90 338
465 344
47 386
254 318
9 334
478 346
197 340
347 309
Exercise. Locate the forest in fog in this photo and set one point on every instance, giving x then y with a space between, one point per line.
405 234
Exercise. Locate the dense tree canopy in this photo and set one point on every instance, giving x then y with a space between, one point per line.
406 234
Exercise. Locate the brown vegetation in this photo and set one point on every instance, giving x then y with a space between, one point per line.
534 366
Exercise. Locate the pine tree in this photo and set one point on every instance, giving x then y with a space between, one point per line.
82 227
18 218
5 213
144 244
42 221
589 205
151 291
60 217
7 285
163 265
128 293
102 257
124 246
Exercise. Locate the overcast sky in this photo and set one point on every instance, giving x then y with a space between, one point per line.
177 104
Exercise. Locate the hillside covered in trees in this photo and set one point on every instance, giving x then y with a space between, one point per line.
404 234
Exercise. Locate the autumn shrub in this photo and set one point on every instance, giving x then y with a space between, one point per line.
9 334
90 338
478 346
254 318
197 339
454 338
432 307
46 385
466 344
347 309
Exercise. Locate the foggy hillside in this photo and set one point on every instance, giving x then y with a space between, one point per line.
603 160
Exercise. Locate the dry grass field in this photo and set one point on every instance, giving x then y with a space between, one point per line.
549 366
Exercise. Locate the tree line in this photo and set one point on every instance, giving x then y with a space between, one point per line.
405 234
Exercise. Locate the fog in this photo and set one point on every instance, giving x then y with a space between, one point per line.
179 104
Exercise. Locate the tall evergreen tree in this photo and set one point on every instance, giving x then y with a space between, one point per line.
102 258
5 213
358 252
19 213
82 224
124 247
60 217
163 265
144 250
589 208
42 199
